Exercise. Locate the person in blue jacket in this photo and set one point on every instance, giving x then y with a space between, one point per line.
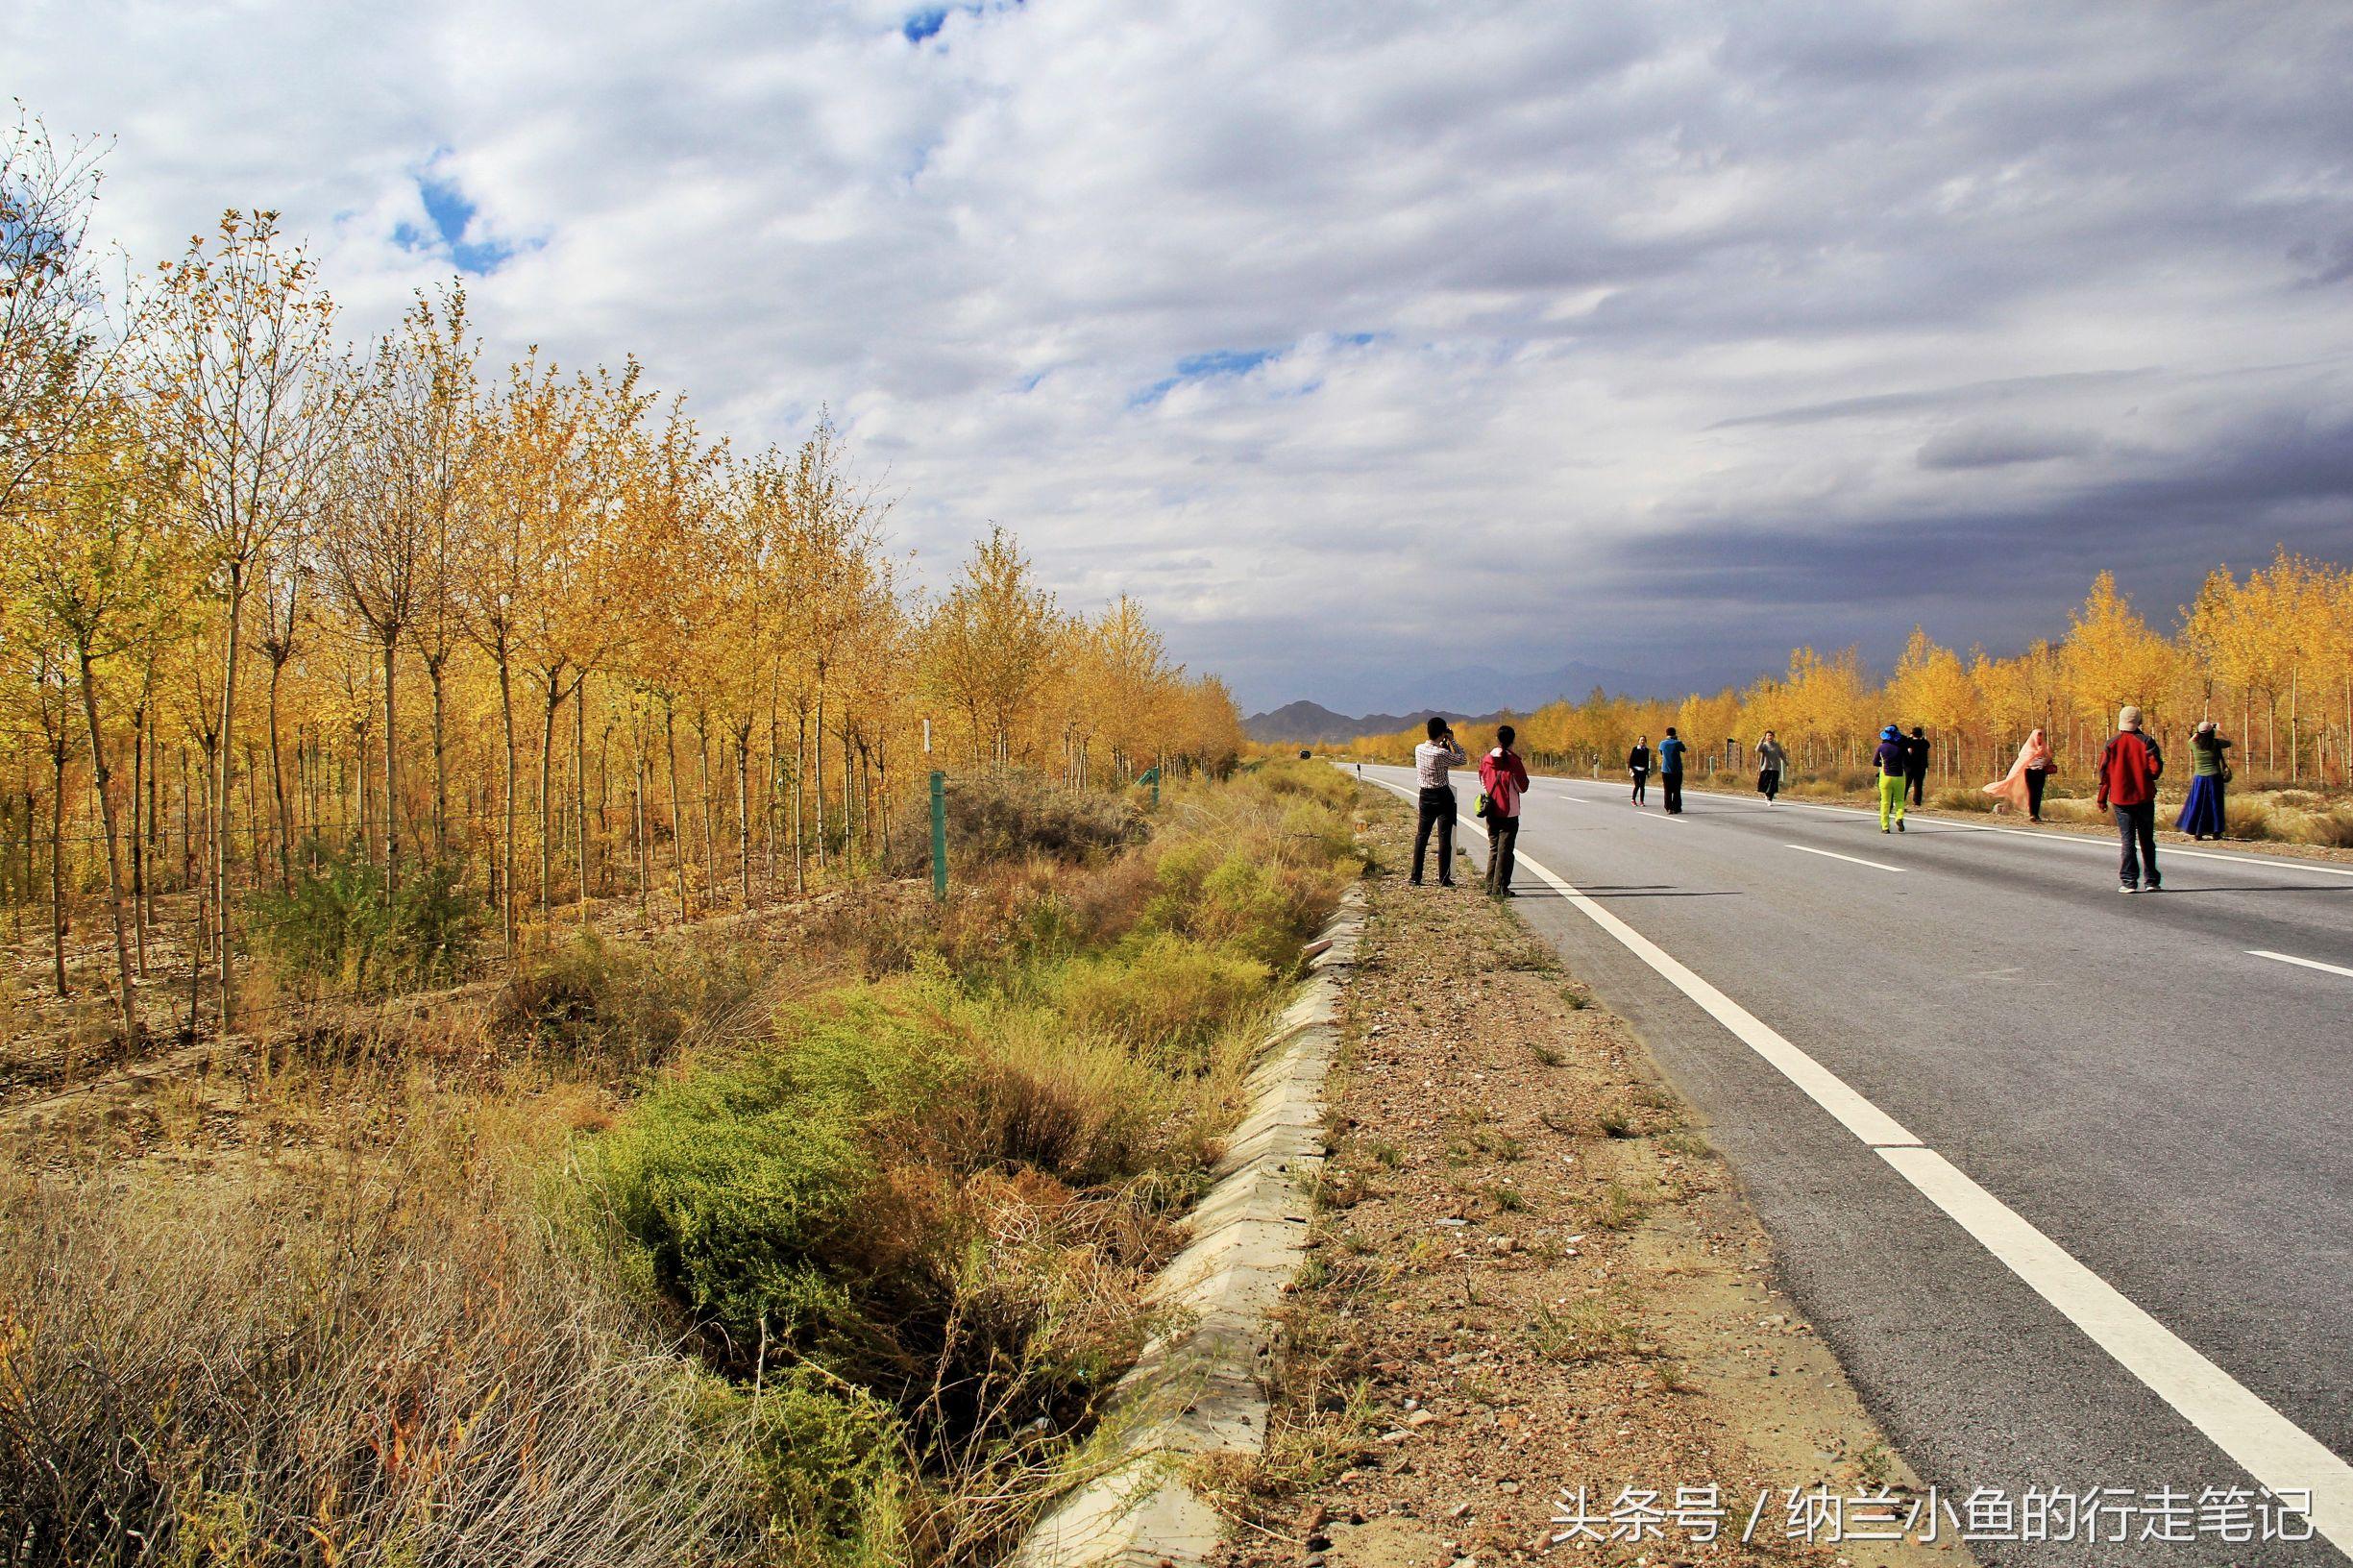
1671 770
1893 759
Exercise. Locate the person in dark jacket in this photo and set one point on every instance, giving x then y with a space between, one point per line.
1915 764
1893 759
1771 761
1503 777
2202 814
1638 764
1671 770
2130 768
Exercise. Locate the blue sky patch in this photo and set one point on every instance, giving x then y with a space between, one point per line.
451 214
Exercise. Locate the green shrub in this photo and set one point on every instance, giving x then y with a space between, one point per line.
343 925
1010 816
1163 996
631 1004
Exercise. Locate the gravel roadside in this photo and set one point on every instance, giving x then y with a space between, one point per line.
1530 1275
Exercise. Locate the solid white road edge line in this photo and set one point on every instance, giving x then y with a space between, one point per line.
1851 860
2307 963
2276 1450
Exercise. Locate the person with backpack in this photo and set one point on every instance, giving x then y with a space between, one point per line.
1671 770
1431 760
1503 778
1916 764
1638 764
2130 768
1894 761
1771 760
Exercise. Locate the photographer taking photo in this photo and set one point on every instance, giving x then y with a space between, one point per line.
1431 760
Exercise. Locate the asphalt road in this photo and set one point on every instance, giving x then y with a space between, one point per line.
2173 1111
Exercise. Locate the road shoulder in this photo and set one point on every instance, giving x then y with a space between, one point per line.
1529 1274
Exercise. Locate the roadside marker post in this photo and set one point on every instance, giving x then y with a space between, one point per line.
938 824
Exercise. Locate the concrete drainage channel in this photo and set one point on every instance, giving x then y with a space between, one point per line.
1201 1388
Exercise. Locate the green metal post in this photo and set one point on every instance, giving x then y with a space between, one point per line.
939 836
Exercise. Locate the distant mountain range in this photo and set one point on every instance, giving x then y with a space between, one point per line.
1495 693
1311 723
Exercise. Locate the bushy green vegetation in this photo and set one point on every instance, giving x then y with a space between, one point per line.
937 1192
810 1248
341 924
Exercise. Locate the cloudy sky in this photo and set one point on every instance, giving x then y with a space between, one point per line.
1370 342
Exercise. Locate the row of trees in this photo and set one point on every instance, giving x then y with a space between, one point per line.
2268 657
265 595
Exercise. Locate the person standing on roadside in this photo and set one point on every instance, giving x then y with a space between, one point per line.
1894 760
2202 816
2020 789
1638 764
2130 768
1771 760
1431 760
1915 764
1503 777
1671 770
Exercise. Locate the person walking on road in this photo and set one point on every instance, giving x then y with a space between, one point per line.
2130 768
1431 760
2202 816
1771 760
2020 789
1503 778
1671 770
1894 760
1638 764
1915 764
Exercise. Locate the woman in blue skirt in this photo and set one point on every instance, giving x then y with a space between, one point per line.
2202 815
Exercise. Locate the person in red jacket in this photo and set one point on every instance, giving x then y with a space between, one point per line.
1503 778
2130 768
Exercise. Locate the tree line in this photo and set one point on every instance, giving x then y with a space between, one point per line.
266 595
2267 657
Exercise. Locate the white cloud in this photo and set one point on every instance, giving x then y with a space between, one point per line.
1519 280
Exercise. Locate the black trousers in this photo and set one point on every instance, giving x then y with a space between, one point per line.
1912 783
1503 851
2136 827
1642 777
2036 778
1437 811
1768 782
1675 791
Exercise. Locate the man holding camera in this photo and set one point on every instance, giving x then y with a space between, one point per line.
1431 760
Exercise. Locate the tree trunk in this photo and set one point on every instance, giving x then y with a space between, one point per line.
819 774
277 784
547 770
800 752
223 746
128 998
506 850
392 773
142 813
56 863
580 789
677 834
742 809
702 785
441 761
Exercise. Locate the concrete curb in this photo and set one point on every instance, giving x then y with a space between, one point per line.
1201 1387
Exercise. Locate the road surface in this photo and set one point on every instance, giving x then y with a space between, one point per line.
1984 1049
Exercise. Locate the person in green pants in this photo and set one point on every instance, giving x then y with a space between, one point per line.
1891 758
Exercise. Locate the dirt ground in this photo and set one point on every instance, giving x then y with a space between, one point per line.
1532 1275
